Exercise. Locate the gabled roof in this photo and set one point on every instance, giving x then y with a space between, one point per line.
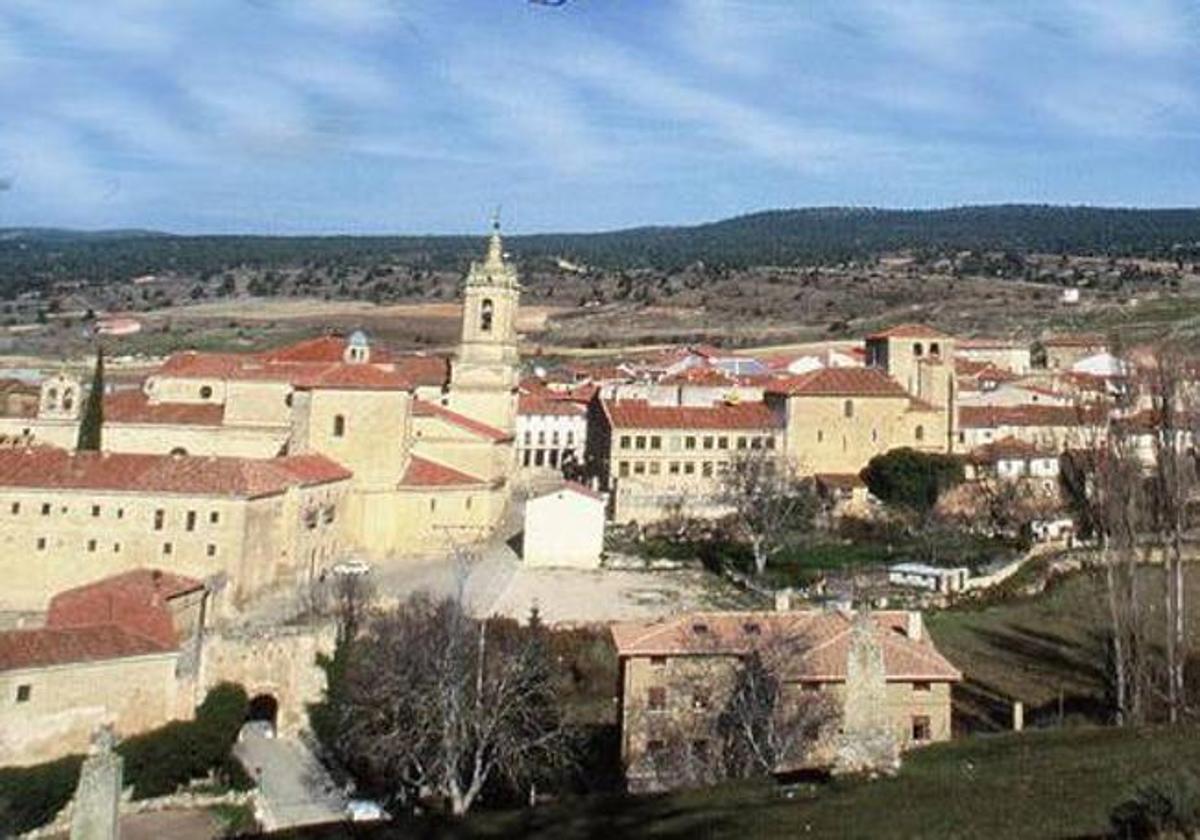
424 408
821 639
839 382
136 600
51 468
639 414
909 331
422 472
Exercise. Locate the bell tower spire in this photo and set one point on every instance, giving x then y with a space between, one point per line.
483 377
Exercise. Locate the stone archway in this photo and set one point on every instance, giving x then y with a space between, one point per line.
263 707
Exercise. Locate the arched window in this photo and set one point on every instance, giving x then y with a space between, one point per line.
917 349
339 425
919 432
485 315
52 398
848 408
68 399
205 392
935 349
178 451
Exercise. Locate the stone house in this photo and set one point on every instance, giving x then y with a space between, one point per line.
676 676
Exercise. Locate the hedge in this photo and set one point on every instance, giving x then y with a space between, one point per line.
32 796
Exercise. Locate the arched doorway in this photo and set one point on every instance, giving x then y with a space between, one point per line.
263 710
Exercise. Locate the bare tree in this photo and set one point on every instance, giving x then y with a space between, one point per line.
1172 479
769 500
439 706
352 596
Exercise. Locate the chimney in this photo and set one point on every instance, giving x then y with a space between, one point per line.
916 626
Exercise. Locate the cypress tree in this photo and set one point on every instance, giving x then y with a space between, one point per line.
93 410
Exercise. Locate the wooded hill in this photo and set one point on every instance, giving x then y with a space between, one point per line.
31 258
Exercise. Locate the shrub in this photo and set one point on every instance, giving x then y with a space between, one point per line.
32 796
159 762
1167 805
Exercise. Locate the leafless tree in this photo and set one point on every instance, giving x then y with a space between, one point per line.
1172 480
769 500
1102 482
437 705
352 597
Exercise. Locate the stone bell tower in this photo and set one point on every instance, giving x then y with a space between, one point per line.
483 375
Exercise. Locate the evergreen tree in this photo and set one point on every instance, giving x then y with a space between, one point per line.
93 410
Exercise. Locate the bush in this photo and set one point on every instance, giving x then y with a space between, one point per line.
32 796
159 762
1165 806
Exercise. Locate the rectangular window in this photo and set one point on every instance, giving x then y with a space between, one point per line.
922 686
191 520
769 441
756 442
723 442
689 468
24 693
45 508
707 469
623 469
689 442
116 548
654 467
41 543
741 443
708 442
673 468
921 730
95 510
160 516
528 437
16 507
214 518
640 442
656 441
639 467
658 661
211 550
167 548
120 513
656 698
91 545
625 441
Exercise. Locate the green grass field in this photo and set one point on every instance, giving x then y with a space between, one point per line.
1060 783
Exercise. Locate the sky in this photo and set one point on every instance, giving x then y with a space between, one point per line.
421 116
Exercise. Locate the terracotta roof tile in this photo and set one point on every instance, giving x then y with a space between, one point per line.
326 348
822 640
136 600
135 407
542 404
837 382
639 414
991 416
46 467
424 408
45 647
422 472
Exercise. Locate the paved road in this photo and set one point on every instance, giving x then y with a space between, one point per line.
294 787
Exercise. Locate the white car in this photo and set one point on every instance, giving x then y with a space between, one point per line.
352 567
364 810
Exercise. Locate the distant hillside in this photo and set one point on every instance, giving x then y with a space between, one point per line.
29 258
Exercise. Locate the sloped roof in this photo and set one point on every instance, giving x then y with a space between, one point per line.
991 416
424 408
136 600
132 406
47 467
257 367
639 414
1005 449
909 331
58 646
1076 340
821 638
699 375
422 472
541 404
838 382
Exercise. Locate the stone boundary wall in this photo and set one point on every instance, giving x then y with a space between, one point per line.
60 826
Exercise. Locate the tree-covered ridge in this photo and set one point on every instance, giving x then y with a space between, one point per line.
30 258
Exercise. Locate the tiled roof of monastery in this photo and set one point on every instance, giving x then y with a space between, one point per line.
46 646
991 416
821 639
133 406
422 472
46 468
838 382
639 414
424 408
253 367
137 600
424 370
909 331
326 348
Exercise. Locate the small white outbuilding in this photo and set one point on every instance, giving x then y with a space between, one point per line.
565 527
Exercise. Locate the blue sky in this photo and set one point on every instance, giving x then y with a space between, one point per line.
411 116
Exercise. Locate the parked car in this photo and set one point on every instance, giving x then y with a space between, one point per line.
352 567
365 810
260 728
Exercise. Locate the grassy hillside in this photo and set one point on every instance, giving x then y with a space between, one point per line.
1036 785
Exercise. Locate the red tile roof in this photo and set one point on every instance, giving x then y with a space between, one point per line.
253 367
838 382
991 416
909 331
46 468
639 414
135 407
136 600
1006 449
45 647
822 641
699 375
424 408
424 370
326 348
422 472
